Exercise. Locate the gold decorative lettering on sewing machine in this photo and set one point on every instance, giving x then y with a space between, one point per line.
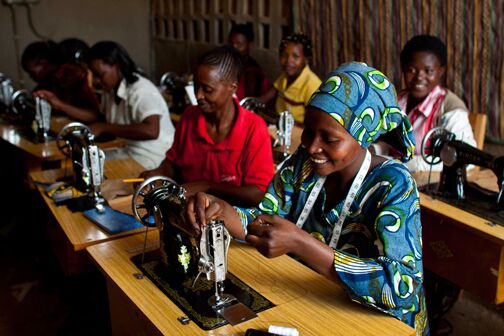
76 141
438 146
161 202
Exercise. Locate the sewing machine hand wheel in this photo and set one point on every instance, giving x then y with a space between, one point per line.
62 141
23 104
432 144
140 210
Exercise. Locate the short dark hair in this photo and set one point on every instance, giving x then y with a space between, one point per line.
42 50
427 43
298 38
112 53
72 47
228 60
243 29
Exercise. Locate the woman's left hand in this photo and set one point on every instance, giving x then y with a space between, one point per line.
273 236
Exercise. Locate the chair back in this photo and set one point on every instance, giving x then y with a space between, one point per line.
478 123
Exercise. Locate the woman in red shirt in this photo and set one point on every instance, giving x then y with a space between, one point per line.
220 147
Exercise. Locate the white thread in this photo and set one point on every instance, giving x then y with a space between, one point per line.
283 331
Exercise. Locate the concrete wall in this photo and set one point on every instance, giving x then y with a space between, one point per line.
123 21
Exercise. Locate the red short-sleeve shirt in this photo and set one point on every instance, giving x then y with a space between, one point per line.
244 157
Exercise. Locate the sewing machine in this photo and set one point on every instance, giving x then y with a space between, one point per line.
32 111
76 141
284 125
183 258
6 91
257 106
439 145
174 86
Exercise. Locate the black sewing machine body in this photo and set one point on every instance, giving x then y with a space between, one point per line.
178 249
440 145
76 142
32 112
174 86
210 301
6 92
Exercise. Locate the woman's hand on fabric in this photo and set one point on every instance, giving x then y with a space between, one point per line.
273 236
200 209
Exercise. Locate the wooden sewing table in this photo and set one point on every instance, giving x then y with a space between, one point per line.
304 299
71 232
44 155
461 247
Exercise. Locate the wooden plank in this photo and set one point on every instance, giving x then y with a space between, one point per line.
470 261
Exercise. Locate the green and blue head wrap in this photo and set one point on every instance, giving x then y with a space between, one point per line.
364 102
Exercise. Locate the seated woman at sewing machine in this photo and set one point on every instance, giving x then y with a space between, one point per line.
253 81
426 102
295 85
350 215
219 146
63 84
131 104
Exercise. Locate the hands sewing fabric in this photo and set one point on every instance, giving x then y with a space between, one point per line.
273 236
200 209
51 98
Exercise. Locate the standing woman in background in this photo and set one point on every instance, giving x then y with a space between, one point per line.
297 82
253 81
133 107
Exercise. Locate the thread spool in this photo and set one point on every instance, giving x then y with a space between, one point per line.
283 331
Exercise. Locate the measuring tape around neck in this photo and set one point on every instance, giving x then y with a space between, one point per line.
354 188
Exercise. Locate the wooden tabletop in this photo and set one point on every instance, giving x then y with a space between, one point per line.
80 231
304 299
47 151
485 178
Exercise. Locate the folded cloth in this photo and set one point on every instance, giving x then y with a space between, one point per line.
62 191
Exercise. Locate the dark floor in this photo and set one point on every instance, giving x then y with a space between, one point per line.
36 298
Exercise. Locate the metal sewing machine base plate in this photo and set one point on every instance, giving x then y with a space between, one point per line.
194 301
478 201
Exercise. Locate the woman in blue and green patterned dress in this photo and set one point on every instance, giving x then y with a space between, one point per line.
350 215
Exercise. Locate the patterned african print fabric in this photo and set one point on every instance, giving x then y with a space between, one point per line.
379 253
